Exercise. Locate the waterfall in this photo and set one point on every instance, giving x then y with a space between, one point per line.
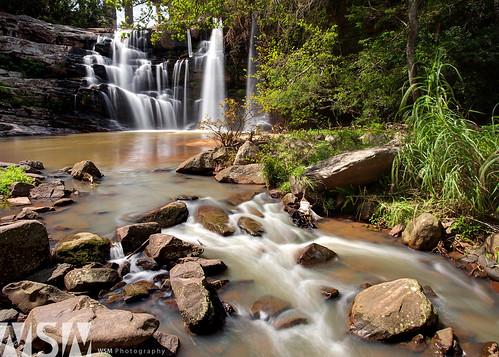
189 43
116 251
213 92
135 90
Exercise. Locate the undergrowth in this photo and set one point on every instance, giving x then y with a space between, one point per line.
10 175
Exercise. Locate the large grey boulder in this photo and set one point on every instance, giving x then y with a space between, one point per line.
247 154
423 232
167 216
200 307
86 171
50 190
27 295
200 164
108 328
164 247
24 248
390 310
353 168
134 235
251 174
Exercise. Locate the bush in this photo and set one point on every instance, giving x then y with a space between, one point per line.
10 175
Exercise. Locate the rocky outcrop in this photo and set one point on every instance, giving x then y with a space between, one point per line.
200 164
86 171
134 235
247 154
200 307
24 248
314 254
50 190
108 328
250 174
359 167
214 219
81 248
167 216
391 310
423 232
164 247
90 279
27 295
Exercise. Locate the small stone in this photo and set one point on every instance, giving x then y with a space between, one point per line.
330 293
63 202
19 201
147 263
397 230
315 254
229 309
268 306
138 290
8 315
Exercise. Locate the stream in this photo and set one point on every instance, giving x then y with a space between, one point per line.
139 169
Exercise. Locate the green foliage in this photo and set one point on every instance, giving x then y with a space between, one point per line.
29 68
466 228
448 157
10 175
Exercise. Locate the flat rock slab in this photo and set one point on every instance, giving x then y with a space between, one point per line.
214 219
390 310
268 306
108 328
353 168
50 190
164 247
19 201
251 174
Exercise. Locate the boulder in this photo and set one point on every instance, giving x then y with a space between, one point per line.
423 232
492 245
251 226
90 280
27 214
20 189
200 164
27 295
247 154
444 343
50 190
38 165
86 171
390 310
210 266
109 329
138 290
134 235
214 219
352 168
199 305
167 216
81 248
314 254
251 174
24 248
164 248
63 202
268 306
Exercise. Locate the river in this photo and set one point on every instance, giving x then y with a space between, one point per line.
139 169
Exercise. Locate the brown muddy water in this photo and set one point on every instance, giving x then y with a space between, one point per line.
139 169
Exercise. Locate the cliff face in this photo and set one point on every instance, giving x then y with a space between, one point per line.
40 74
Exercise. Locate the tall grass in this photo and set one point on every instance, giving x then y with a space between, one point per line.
446 156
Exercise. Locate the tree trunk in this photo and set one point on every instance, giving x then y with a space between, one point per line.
129 13
411 43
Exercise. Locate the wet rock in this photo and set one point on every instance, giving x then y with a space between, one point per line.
242 174
397 230
417 344
268 306
86 171
423 232
147 263
19 201
315 254
444 343
229 309
352 168
27 214
108 328
20 189
164 247
289 319
214 219
492 245
50 190
24 248
41 209
200 164
250 226
210 266
240 197
187 198
330 293
90 280
391 310
134 235
38 165
167 216
219 283
123 269
81 248
27 295
138 290
200 307
63 202
247 154
169 343
8 315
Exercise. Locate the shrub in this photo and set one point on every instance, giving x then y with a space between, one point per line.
10 175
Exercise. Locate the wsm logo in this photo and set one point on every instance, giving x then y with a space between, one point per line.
68 339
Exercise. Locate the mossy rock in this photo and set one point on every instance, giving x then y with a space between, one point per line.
82 248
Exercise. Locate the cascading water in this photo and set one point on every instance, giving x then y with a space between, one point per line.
213 93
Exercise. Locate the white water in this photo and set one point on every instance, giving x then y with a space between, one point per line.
213 92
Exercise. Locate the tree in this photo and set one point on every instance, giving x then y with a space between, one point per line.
413 9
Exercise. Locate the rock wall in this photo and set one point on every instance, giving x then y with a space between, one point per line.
41 68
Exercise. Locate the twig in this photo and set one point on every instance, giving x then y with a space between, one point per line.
138 249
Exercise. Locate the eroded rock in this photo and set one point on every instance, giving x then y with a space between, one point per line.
86 171
250 174
50 190
423 232
27 295
200 164
90 280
